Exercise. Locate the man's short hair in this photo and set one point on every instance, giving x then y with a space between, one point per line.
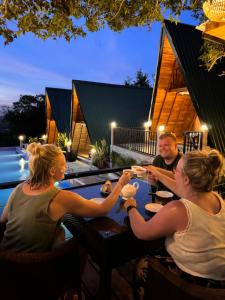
168 134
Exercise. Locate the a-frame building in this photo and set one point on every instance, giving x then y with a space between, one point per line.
185 93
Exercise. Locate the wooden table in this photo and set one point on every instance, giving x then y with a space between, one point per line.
109 240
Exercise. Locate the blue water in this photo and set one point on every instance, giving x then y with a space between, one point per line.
12 166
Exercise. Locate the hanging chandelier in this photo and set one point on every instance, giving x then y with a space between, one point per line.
214 10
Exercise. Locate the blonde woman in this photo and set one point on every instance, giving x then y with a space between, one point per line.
35 207
194 226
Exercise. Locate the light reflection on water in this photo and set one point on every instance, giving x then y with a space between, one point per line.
12 166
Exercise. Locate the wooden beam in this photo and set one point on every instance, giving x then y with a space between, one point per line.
180 89
171 109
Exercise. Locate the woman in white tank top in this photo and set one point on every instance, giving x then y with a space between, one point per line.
194 226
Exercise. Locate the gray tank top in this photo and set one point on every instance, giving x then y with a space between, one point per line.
29 227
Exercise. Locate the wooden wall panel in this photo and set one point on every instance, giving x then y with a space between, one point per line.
52 133
51 129
81 140
172 109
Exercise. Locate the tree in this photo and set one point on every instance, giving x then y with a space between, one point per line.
140 81
27 116
73 18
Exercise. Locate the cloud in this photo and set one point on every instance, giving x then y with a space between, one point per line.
22 78
12 66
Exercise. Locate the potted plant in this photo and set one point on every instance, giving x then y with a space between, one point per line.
100 158
62 141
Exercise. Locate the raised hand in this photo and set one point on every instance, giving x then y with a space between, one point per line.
125 178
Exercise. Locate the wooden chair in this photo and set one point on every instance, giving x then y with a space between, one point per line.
40 276
163 284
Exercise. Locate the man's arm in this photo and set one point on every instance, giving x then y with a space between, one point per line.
166 172
164 179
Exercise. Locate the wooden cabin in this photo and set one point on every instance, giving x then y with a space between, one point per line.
185 94
58 112
95 105
86 114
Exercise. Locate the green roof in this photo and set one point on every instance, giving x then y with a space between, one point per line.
60 100
102 103
206 88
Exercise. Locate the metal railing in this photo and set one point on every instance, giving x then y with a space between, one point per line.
136 139
12 184
192 141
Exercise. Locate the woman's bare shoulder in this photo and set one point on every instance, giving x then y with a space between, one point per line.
176 206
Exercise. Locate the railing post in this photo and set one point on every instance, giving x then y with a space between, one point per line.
204 138
160 130
113 126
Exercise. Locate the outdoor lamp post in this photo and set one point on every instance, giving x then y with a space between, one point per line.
68 145
160 130
44 138
147 126
112 125
204 129
21 138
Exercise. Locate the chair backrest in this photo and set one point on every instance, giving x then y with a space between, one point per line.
40 276
163 284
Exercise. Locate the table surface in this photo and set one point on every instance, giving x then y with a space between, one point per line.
116 220
109 239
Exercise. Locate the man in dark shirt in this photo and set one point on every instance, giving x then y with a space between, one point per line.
167 159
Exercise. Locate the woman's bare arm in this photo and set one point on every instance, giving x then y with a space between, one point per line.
171 218
69 202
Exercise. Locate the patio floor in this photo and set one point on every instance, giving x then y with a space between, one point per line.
122 278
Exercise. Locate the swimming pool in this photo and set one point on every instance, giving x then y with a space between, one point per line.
13 166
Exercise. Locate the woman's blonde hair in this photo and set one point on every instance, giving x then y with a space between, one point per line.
203 169
41 159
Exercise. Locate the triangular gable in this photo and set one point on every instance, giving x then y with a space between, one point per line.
60 104
207 89
103 103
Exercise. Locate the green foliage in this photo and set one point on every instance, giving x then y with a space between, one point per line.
140 81
62 140
26 116
73 18
100 158
212 53
120 161
33 140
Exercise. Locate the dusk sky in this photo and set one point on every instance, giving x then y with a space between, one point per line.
29 64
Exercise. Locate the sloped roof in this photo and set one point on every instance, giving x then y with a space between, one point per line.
103 103
206 89
60 101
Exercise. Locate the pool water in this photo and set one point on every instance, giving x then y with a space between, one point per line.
13 166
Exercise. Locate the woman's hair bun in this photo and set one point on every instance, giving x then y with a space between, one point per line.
34 149
215 161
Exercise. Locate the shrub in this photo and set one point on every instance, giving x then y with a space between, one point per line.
120 161
62 140
100 157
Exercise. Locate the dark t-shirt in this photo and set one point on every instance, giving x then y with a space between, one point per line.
159 162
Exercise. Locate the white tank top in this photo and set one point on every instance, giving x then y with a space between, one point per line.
200 249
